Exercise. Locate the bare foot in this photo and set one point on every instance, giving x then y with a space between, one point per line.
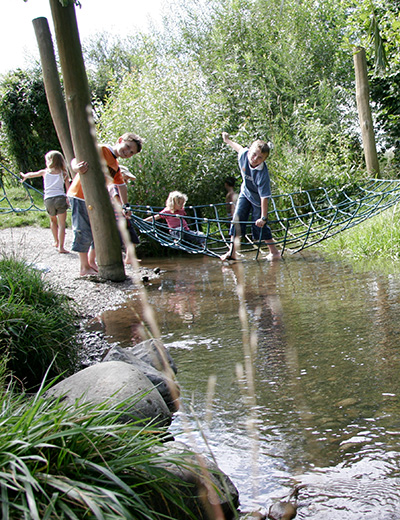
62 250
95 268
55 245
228 256
273 256
85 272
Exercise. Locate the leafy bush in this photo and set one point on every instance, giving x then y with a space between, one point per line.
27 129
37 325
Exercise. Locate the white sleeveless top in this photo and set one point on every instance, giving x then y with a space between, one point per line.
53 184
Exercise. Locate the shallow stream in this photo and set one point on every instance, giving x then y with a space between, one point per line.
323 406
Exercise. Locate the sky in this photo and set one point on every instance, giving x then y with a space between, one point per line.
17 37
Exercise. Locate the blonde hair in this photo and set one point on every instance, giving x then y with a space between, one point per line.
173 197
55 161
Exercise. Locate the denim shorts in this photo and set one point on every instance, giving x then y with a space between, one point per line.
83 238
242 213
56 205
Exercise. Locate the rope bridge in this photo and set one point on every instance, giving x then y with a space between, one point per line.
25 202
297 220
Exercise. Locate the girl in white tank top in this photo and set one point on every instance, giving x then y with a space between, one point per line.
55 183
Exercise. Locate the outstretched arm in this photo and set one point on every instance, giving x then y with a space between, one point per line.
31 175
153 217
237 147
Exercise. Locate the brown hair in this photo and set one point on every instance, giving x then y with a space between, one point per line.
130 136
262 146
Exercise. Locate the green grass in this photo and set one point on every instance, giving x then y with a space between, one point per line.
374 242
79 462
18 198
37 325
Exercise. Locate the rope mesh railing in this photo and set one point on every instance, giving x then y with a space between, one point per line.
297 220
26 202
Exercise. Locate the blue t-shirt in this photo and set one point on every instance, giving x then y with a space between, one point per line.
256 183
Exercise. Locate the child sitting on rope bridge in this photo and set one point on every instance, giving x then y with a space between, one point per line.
55 181
173 213
253 197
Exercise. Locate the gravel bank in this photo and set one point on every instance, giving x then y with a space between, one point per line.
92 296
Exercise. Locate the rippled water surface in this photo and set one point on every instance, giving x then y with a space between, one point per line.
323 407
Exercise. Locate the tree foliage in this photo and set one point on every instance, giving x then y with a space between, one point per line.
27 128
251 69
281 71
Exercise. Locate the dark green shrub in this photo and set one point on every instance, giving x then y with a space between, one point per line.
37 325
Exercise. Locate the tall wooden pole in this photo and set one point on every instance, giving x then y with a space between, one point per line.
364 112
101 213
55 98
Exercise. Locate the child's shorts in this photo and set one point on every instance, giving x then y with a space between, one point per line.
242 212
193 237
56 205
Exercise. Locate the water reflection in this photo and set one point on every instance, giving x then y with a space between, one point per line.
326 377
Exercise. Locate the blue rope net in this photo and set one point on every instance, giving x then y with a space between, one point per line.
26 201
297 220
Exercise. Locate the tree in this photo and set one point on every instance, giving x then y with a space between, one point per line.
374 24
25 117
101 214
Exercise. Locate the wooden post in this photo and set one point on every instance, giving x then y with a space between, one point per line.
52 85
101 213
364 112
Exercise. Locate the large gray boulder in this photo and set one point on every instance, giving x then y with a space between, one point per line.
165 383
116 382
206 491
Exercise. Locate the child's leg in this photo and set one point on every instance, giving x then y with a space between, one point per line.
85 267
128 255
274 252
54 230
92 259
238 226
231 254
62 217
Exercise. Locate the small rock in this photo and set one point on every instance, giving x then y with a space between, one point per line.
153 352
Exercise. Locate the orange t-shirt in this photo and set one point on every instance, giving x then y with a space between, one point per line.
75 189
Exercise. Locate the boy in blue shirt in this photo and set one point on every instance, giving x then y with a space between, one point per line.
253 198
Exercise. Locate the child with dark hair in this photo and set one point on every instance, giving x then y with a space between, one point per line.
126 146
